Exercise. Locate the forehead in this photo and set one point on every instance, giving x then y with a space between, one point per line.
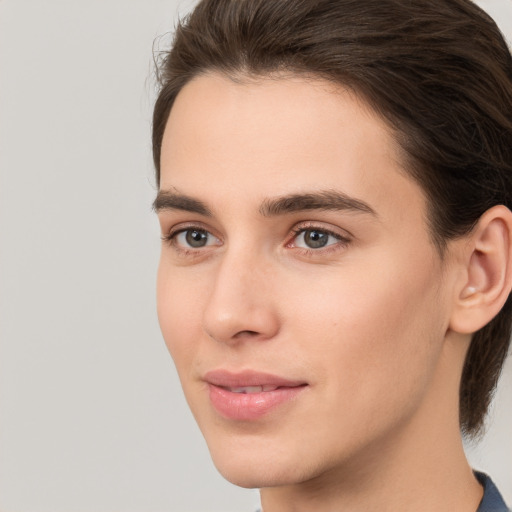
274 136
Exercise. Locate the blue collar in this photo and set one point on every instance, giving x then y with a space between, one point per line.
492 500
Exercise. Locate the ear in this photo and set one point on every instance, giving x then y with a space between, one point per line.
488 271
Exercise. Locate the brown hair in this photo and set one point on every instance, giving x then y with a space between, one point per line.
440 73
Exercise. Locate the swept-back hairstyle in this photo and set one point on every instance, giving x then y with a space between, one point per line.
438 71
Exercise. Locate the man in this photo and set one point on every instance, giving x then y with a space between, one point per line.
335 184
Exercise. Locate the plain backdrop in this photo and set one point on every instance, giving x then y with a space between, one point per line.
91 413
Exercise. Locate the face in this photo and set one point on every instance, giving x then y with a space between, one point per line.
299 292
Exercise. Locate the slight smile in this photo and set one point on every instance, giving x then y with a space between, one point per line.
249 395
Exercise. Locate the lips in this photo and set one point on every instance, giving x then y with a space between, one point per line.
249 395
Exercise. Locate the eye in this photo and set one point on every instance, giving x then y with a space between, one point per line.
316 238
193 238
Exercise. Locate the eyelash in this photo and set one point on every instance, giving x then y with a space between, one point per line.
170 239
342 241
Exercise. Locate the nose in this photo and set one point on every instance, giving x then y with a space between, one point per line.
242 304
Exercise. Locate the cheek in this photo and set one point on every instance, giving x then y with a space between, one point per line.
178 312
373 327
372 344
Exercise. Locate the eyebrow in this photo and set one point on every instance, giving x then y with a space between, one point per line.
327 200
167 200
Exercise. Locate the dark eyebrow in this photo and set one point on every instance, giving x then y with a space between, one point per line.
167 200
323 200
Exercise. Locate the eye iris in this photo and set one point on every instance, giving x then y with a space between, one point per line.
196 238
315 239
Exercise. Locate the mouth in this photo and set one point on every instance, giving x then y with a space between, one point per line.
248 396
251 389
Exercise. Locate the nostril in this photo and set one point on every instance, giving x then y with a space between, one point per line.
239 335
246 333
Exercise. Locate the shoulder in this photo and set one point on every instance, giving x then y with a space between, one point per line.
492 500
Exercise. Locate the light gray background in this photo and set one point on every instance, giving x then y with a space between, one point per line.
91 414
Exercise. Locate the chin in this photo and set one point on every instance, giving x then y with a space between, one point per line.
252 474
242 466
257 466
246 477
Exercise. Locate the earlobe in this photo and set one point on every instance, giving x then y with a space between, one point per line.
488 262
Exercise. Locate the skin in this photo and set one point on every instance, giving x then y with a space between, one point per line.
366 321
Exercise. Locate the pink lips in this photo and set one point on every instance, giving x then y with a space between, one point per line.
249 395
